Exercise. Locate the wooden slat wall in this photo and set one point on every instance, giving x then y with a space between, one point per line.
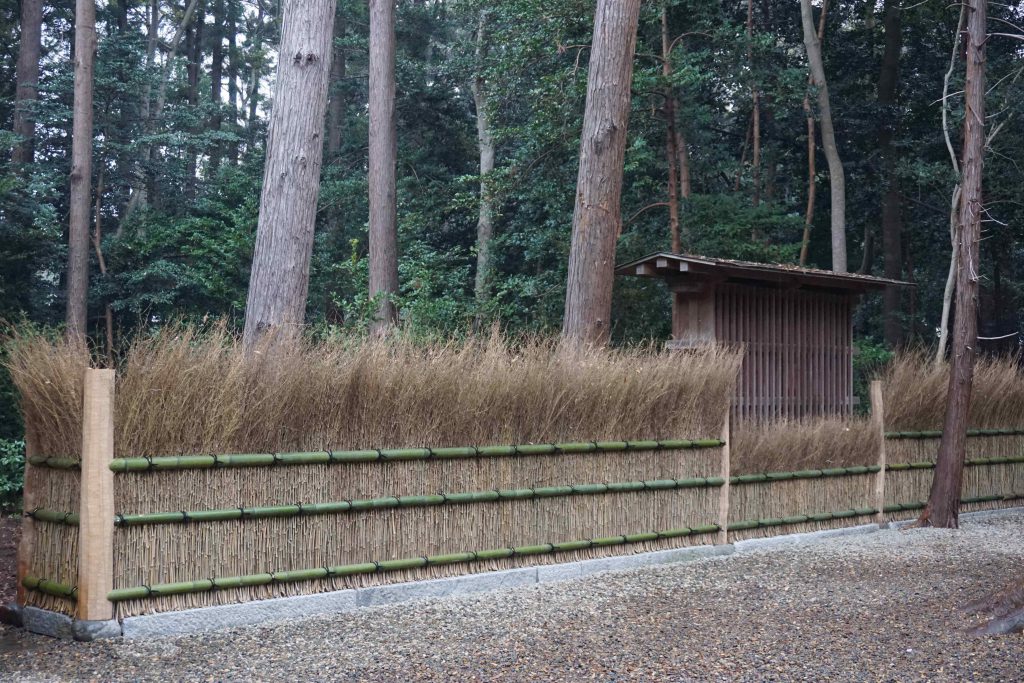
798 360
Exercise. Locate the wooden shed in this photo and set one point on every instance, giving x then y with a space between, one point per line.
795 324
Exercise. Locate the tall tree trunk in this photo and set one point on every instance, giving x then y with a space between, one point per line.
279 283
27 79
943 505
596 218
336 101
233 71
671 138
685 183
81 172
194 53
485 142
837 178
254 73
755 116
892 224
383 152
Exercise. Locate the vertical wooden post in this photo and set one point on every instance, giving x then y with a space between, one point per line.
723 494
878 418
96 508
27 544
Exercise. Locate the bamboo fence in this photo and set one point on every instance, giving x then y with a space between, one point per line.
182 531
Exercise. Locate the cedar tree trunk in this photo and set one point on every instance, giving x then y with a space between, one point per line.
81 172
944 500
596 218
485 142
27 79
892 225
381 177
291 180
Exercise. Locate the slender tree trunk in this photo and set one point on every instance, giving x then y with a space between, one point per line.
685 183
216 79
81 172
485 142
27 79
892 224
671 137
944 500
812 149
596 218
755 116
336 102
954 213
233 71
279 283
837 178
383 153
254 73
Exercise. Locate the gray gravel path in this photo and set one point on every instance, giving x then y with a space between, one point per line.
879 607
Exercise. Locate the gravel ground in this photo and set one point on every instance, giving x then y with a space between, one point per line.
879 607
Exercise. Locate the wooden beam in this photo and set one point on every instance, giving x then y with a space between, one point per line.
878 419
723 493
96 509
646 269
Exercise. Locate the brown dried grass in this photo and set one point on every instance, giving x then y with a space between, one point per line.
186 390
788 445
916 387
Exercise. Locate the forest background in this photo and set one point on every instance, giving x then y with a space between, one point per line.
181 101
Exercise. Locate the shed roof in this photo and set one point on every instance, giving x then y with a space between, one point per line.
671 266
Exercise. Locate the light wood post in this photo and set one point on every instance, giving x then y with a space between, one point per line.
723 494
878 419
96 508
26 547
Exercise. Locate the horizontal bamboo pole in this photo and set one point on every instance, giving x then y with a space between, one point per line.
56 463
53 516
801 519
360 505
970 432
802 474
396 454
976 462
60 590
142 592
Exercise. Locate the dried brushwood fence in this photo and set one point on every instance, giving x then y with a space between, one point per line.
115 530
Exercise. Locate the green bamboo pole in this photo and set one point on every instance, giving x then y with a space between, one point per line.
970 432
763 477
56 463
53 516
469 497
397 454
61 590
143 592
800 519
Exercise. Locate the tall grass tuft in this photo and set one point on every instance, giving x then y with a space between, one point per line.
813 443
916 387
189 391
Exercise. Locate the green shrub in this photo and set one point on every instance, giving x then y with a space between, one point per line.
12 473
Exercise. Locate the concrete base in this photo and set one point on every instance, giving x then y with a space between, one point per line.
47 623
87 631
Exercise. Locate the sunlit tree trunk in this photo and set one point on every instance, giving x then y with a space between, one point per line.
81 172
382 158
596 218
943 505
279 283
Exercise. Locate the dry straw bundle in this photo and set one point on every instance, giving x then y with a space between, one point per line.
813 443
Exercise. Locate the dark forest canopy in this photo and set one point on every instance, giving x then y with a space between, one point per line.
179 142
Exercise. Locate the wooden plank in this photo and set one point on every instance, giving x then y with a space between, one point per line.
96 510
878 419
723 493
30 501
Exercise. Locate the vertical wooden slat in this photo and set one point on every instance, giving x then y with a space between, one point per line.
96 510
723 492
878 418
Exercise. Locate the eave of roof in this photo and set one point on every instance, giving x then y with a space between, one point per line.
666 265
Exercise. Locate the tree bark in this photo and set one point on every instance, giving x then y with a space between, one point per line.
336 102
596 217
279 283
812 150
27 79
81 172
837 177
892 223
382 158
485 143
755 117
233 71
943 505
217 79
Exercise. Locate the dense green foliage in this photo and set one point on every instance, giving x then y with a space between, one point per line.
184 251
12 473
